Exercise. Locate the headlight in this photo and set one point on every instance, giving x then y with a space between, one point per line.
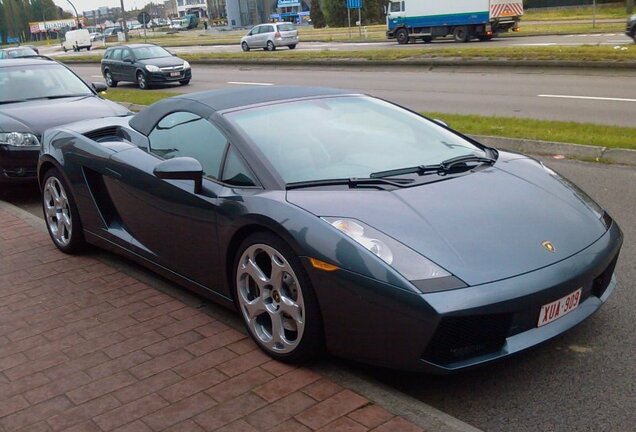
18 139
409 263
152 68
186 65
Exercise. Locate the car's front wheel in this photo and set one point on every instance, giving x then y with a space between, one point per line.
60 212
141 81
276 300
110 82
245 47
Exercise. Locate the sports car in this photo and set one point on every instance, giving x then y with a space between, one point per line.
339 222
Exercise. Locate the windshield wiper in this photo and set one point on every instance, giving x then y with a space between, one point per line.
440 168
352 183
43 97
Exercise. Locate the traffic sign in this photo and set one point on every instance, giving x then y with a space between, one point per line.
354 4
144 18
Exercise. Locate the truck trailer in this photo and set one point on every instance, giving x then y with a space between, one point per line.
409 20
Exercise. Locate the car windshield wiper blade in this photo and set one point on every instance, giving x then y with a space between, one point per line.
443 167
352 183
43 97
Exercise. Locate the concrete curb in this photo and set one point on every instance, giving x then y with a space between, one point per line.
429 63
573 151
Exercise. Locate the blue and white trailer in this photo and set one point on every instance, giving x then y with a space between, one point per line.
409 20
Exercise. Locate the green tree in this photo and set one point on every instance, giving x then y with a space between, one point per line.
317 17
336 13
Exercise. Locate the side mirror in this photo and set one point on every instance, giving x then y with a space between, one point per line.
181 168
99 87
386 10
441 122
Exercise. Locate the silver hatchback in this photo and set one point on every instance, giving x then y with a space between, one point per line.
270 36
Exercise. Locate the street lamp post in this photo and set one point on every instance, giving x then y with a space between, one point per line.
123 21
76 15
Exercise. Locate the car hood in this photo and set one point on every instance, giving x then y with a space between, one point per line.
38 115
162 61
482 227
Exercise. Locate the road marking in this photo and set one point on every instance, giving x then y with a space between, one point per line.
249 83
96 76
588 98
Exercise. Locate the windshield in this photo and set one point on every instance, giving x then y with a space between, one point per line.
150 52
18 83
346 137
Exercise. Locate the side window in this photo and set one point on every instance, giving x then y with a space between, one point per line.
395 6
235 172
126 54
187 134
269 29
116 55
107 54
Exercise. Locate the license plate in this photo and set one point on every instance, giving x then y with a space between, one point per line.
173 74
558 308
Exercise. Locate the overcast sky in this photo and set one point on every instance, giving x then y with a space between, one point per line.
85 5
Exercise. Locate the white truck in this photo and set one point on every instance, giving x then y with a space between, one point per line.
76 40
409 20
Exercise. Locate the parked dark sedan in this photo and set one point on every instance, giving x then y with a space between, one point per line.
630 30
364 228
36 94
144 64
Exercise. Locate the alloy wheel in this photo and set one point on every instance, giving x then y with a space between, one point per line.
270 298
141 81
57 211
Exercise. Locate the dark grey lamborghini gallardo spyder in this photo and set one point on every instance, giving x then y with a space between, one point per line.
336 221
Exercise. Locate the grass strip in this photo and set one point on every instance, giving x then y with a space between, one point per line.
586 53
508 127
541 130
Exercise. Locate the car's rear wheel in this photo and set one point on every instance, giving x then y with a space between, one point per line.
60 212
402 36
110 82
245 47
461 34
271 46
141 81
275 299
293 46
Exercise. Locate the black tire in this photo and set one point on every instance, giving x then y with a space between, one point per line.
53 178
402 36
292 46
88 48
64 48
484 38
311 342
184 82
461 34
141 81
245 47
427 39
270 46
110 82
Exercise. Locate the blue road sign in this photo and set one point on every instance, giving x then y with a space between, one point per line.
354 4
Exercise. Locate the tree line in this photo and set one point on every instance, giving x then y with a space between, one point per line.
333 13
15 16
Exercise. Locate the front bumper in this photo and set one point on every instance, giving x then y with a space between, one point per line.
18 165
166 77
377 323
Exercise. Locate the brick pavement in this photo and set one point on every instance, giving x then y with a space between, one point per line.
86 347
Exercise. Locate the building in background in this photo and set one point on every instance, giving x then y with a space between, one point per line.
245 13
194 7
170 8
100 15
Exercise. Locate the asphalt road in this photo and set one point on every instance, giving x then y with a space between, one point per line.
597 96
584 380
606 39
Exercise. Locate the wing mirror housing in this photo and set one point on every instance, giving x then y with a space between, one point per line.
99 87
441 122
181 168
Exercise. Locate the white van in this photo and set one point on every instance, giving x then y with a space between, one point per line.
76 40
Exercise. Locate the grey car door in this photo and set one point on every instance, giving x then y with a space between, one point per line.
170 224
